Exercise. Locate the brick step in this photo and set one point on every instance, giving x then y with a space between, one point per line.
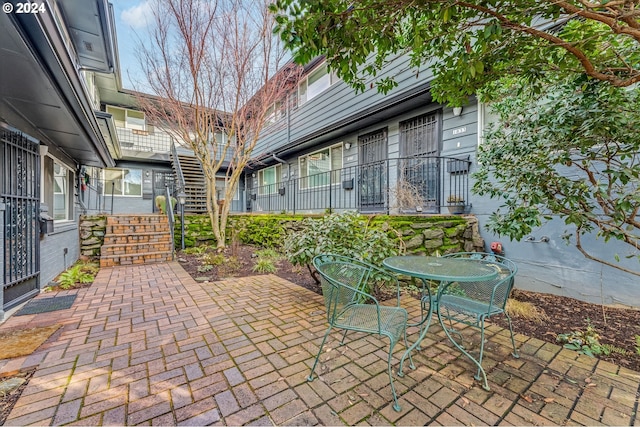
137 228
135 248
136 219
137 238
146 258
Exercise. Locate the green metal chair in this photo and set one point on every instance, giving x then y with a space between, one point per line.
471 303
350 308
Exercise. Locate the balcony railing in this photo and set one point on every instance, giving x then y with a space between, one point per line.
406 185
134 140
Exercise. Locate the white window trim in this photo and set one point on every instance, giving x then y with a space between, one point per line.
104 184
333 78
331 170
261 191
126 114
70 188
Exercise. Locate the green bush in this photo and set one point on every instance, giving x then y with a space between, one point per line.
266 231
347 233
264 265
270 254
585 342
80 273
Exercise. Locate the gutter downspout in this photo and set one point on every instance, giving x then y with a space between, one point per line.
279 160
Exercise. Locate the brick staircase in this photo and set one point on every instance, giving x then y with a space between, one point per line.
194 185
136 239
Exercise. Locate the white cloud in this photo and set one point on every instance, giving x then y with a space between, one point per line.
138 16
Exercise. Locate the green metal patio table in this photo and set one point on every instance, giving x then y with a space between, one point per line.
439 269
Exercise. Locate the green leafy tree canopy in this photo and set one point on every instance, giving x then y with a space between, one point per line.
571 155
466 44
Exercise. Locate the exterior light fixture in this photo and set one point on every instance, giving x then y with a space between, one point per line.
347 145
457 111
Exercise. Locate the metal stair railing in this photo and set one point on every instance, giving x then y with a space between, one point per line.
180 185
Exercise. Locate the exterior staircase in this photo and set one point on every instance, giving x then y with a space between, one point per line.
194 185
136 239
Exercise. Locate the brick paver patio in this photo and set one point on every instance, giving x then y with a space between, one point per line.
148 345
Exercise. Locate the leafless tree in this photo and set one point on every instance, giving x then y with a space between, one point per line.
215 69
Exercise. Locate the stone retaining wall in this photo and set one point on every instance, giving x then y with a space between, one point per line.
419 234
92 230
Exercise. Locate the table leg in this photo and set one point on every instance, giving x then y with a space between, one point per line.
424 327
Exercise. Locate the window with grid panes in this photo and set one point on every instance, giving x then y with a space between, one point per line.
321 168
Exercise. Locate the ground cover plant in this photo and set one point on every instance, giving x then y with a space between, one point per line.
81 274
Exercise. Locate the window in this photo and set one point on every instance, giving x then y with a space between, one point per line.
315 83
321 168
57 189
274 113
123 182
129 119
268 180
61 194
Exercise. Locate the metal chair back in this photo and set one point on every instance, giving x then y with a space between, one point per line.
350 308
471 303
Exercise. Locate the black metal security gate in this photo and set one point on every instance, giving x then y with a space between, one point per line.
19 217
373 170
162 180
419 170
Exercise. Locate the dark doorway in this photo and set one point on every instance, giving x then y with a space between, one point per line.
19 217
373 171
419 167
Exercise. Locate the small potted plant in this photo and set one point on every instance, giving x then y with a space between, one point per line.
455 204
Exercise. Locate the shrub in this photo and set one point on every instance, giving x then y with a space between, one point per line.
266 231
347 233
212 259
195 250
585 342
264 265
80 273
270 254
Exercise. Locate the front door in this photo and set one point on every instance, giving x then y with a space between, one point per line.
419 167
19 218
373 171
161 181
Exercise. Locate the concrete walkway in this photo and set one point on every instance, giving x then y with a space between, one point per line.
148 345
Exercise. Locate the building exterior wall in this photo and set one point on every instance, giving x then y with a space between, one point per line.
549 267
58 251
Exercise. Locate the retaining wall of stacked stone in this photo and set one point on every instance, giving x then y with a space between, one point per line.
92 231
420 234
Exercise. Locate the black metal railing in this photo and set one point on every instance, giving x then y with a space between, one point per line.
169 206
180 185
93 198
405 185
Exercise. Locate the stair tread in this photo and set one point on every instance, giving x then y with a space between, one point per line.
126 245
137 254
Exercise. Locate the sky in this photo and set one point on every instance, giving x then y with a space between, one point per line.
131 18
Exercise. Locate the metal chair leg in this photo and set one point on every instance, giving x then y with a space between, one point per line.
344 336
396 405
310 377
479 362
465 352
513 340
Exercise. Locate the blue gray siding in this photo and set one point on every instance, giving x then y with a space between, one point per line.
336 105
53 259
